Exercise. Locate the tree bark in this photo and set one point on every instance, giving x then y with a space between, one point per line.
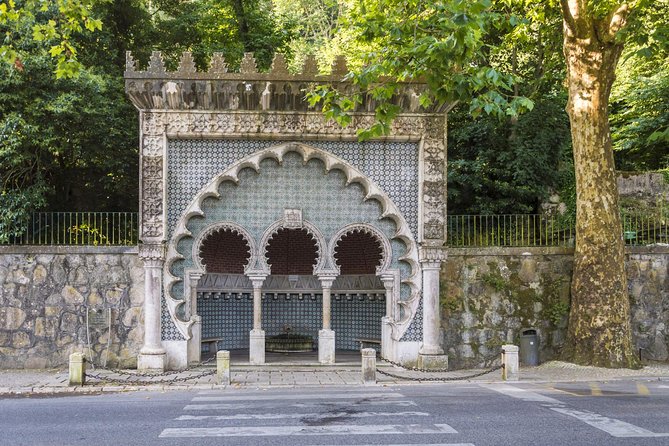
599 331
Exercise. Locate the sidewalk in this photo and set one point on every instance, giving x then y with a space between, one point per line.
28 382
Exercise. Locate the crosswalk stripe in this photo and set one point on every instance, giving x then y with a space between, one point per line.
251 431
274 404
297 396
412 444
280 416
522 394
611 426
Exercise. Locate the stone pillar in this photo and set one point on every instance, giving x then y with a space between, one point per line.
257 335
223 367
510 363
195 342
77 369
152 356
368 366
387 350
431 355
326 336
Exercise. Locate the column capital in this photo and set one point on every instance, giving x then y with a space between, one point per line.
327 279
388 281
257 280
431 257
150 253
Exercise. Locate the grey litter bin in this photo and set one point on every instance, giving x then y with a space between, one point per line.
529 347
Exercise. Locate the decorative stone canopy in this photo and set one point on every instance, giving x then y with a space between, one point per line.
218 89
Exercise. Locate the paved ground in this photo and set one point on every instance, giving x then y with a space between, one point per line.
633 411
277 374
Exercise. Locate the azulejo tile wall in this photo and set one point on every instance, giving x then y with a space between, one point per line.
230 316
192 163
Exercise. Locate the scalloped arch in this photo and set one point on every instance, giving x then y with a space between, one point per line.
312 230
367 229
215 227
330 161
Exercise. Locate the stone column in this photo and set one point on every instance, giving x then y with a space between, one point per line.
257 335
195 342
431 355
326 336
152 356
387 350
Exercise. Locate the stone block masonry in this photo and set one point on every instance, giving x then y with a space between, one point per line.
57 300
490 295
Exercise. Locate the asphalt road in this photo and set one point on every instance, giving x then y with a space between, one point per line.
615 413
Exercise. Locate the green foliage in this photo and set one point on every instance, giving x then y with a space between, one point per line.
639 114
52 25
441 42
501 168
557 311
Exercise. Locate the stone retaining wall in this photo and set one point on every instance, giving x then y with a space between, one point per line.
489 296
48 294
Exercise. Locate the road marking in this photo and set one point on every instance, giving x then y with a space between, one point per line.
595 390
611 426
642 389
522 394
412 444
270 405
298 396
663 387
253 431
279 416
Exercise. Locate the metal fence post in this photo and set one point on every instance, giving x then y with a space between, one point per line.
510 371
223 367
77 369
368 366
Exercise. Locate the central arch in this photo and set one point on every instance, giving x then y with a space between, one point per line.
181 267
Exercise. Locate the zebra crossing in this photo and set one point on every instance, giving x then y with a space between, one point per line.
299 417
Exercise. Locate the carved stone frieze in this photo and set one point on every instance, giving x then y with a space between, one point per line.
152 252
153 146
152 205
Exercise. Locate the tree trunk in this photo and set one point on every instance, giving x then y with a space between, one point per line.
599 331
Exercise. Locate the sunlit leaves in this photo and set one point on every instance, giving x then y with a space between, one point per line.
51 23
441 43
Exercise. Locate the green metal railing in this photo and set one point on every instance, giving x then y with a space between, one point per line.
78 228
121 229
540 230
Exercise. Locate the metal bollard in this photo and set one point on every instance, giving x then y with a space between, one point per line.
223 367
510 372
77 369
368 366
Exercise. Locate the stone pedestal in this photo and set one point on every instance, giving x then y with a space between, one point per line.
152 361
368 366
257 347
432 362
326 346
510 362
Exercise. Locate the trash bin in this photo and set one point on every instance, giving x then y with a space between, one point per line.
529 347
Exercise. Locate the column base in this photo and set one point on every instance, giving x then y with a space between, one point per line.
152 361
257 347
326 346
432 362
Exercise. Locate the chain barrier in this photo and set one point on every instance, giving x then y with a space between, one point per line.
432 378
144 378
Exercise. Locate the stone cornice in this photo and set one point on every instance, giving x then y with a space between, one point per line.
218 89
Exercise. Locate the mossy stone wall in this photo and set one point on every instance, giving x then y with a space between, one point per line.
489 296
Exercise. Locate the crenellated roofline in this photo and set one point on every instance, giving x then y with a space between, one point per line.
248 89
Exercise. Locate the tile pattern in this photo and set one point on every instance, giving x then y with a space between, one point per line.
230 316
193 163
259 199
